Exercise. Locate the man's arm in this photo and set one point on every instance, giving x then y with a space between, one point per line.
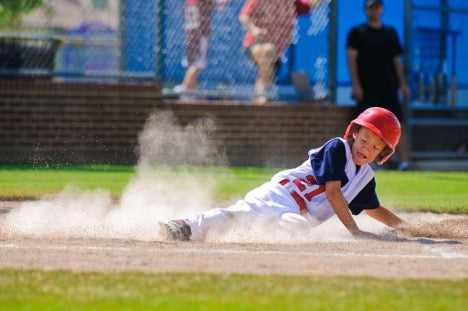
352 55
404 89
250 26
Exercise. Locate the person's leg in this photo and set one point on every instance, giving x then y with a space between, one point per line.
402 151
216 218
402 147
197 51
264 57
264 202
191 77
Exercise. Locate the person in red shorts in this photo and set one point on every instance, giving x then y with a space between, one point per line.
269 25
197 17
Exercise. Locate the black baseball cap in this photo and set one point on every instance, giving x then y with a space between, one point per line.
371 2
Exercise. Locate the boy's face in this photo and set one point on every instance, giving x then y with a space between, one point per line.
366 147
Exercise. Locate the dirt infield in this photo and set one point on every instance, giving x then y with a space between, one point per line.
379 259
442 257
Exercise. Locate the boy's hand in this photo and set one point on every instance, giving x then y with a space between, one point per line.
368 236
408 230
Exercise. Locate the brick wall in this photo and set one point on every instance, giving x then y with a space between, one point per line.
45 121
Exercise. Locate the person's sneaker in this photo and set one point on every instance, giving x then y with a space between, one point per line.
184 93
260 99
265 94
176 230
404 166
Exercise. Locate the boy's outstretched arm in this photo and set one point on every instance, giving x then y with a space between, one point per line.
339 205
388 218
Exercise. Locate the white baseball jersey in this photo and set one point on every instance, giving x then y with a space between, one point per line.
300 190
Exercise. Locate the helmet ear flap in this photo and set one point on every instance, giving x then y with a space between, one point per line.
382 157
353 128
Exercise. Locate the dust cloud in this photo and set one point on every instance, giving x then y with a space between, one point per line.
157 192
426 225
164 188
438 226
163 142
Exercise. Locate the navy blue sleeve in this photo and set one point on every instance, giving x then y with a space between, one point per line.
366 199
329 162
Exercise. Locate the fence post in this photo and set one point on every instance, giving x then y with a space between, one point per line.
332 52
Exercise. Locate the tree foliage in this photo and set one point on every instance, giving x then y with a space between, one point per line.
11 11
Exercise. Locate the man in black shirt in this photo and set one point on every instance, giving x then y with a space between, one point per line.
373 52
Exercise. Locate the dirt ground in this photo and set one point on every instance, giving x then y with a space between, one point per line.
443 256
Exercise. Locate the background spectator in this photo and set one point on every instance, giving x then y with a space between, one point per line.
269 25
373 54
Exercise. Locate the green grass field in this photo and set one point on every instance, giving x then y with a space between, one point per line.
60 290
64 290
441 192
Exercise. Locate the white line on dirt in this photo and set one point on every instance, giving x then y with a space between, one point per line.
438 255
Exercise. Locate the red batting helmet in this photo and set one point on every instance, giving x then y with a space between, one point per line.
383 123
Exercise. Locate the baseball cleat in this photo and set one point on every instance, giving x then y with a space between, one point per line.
176 230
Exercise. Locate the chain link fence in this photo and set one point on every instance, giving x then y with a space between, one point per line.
145 40
142 40
228 69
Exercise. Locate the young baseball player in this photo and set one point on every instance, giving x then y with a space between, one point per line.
336 179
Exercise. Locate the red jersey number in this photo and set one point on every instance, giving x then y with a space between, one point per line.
310 181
